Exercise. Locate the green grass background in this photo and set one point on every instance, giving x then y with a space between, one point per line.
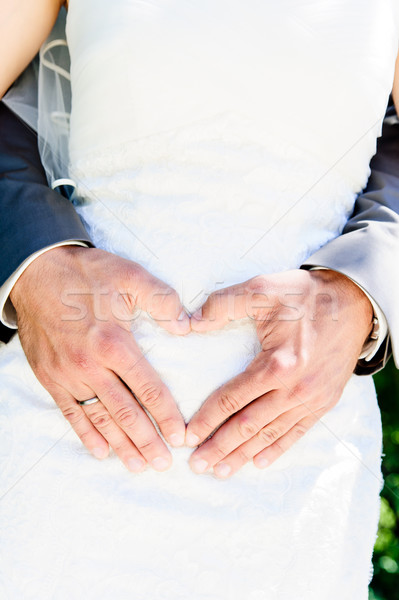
385 583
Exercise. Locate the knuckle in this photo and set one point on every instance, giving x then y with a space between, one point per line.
228 404
80 359
105 342
127 417
219 452
286 363
101 420
167 421
121 446
114 394
299 431
302 359
268 435
203 425
300 390
146 445
73 415
151 396
246 427
276 365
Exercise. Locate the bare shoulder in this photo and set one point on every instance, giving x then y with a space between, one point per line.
24 26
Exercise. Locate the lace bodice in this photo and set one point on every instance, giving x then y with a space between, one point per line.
214 141
211 140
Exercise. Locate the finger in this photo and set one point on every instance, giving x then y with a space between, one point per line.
81 424
161 302
264 437
222 307
117 439
246 428
231 397
254 298
266 457
132 419
126 360
105 424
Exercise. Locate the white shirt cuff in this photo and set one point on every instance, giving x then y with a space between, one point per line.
8 315
372 346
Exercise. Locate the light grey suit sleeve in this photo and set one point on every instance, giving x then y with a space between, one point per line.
367 251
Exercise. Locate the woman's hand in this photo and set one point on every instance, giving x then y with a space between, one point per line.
74 307
312 326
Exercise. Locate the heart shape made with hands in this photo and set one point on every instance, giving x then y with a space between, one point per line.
192 366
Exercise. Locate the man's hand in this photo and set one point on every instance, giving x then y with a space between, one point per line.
311 326
74 307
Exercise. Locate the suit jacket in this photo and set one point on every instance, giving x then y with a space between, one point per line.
33 217
368 249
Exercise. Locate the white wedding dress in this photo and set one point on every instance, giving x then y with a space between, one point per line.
212 140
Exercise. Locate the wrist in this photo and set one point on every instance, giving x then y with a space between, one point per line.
42 270
348 297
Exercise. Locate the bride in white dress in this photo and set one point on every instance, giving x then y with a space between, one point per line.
195 127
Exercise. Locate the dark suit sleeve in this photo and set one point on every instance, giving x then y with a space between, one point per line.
32 215
368 249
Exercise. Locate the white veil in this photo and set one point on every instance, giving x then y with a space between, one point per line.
42 98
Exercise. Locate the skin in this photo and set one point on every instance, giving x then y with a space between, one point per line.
310 345
395 90
82 347
297 377
24 26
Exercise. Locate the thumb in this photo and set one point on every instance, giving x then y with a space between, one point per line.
160 301
222 307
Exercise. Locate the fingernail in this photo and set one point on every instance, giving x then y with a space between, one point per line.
176 439
135 464
192 440
197 315
100 453
262 463
199 465
222 470
160 463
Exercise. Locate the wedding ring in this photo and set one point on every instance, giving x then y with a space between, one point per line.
87 402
